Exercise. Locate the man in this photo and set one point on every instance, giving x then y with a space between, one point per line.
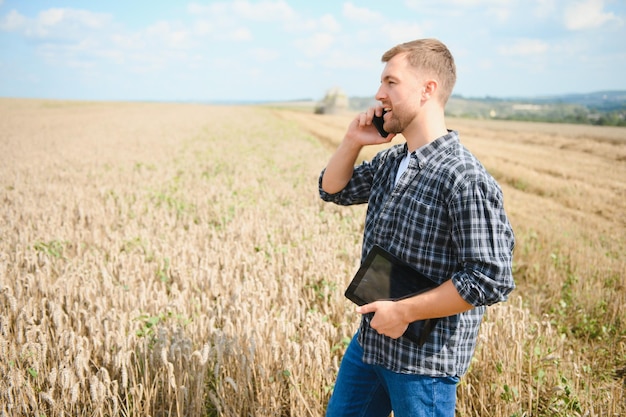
432 204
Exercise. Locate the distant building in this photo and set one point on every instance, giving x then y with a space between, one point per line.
335 101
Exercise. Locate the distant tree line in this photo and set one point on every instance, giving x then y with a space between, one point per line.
579 116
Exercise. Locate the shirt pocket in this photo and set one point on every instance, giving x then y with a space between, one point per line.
427 226
416 213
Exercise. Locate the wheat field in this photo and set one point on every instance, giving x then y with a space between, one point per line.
175 260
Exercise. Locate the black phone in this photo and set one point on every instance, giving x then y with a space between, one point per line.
378 122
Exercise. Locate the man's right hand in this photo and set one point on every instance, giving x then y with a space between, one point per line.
361 132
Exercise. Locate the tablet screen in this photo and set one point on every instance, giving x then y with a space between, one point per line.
384 277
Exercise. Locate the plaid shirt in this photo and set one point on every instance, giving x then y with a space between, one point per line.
446 217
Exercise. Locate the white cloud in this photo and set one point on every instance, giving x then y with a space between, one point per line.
264 54
329 23
524 47
169 34
487 11
402 32
59 20
81 55
56 23
485 64
203 27
476 3
500 14
340 60
240 34
201 9
588 14
303 64
360 14
219 18
12 22
421 4
266 10
544 8
315 45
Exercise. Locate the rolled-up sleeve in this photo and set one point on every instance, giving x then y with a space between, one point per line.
485 242
357 191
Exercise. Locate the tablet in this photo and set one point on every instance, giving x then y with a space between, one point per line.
383 276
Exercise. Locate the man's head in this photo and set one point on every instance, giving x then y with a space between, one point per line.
430 58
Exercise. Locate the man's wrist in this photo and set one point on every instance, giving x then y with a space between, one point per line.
409 309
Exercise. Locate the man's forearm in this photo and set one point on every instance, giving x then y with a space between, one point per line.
340 168
442 301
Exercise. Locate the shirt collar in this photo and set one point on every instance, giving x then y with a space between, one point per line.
437 147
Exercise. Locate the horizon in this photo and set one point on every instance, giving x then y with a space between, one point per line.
275 50
315 100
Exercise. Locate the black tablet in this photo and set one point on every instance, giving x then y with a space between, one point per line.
383 276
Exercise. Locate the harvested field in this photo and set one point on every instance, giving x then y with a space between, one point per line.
175 259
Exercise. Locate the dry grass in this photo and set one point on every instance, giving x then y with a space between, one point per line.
168 259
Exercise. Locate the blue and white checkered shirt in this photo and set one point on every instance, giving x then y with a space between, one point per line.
446 217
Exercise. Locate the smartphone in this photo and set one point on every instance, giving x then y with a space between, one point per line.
378 122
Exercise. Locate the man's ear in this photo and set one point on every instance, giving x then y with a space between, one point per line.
429 89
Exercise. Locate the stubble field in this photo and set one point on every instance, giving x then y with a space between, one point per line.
175 259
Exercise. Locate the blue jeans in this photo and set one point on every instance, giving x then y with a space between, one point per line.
363 390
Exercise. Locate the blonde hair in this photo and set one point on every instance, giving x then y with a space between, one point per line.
432 56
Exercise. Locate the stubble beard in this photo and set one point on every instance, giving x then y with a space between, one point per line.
395 123
400 119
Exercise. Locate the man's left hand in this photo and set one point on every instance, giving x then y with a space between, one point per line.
388 318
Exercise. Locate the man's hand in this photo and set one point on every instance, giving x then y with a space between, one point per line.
388 318
362 132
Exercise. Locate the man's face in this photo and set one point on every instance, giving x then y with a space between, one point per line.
400 93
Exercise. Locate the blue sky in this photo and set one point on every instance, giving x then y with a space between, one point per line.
258 50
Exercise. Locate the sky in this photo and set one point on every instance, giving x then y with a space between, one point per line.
269 50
